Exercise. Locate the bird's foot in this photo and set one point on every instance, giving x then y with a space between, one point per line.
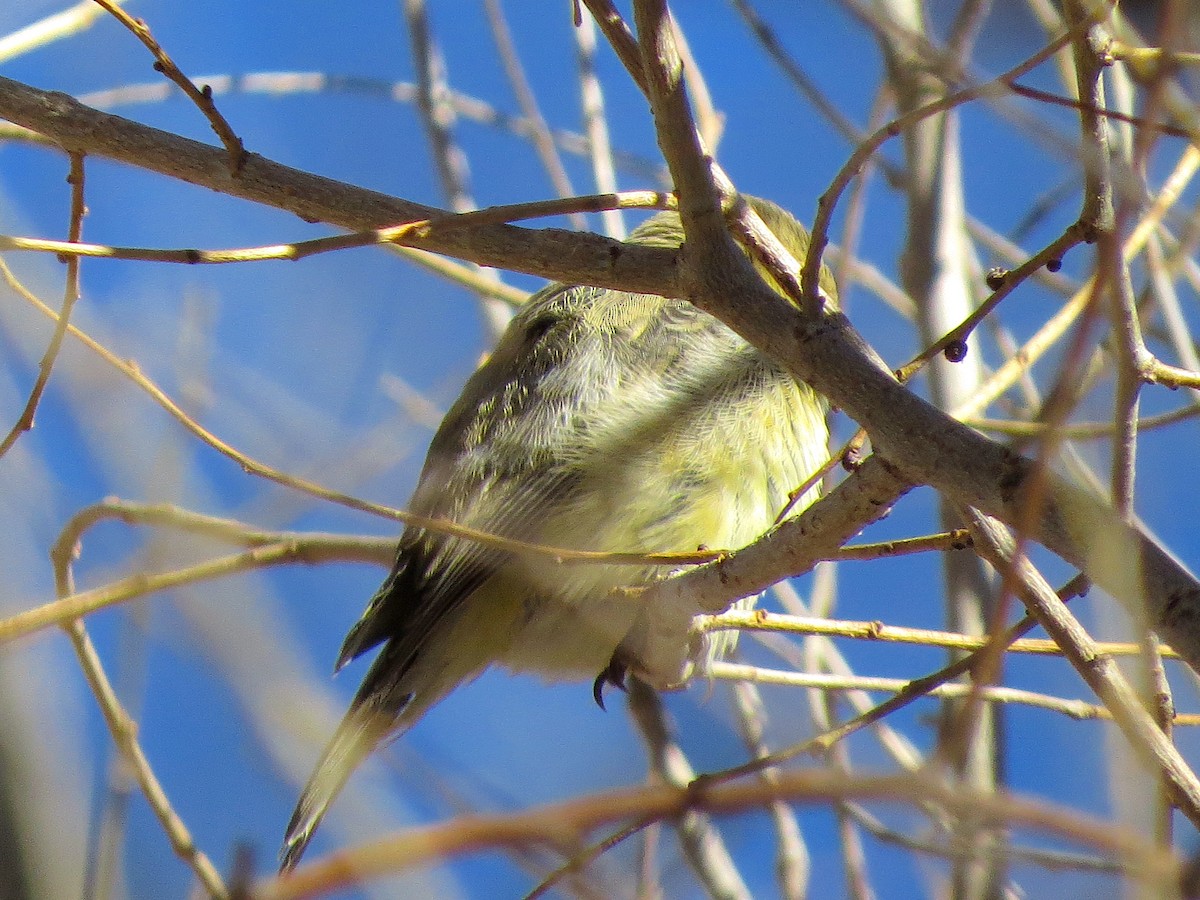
637 656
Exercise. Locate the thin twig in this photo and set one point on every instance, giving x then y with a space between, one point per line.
762 621
312 546
298 250
956 539
70 295
1100 672
1082 430
865 150
437 118
595 122
202 97
957 336
261 469
1141 122
564 822
915 689
1047 859
1075 709
540 136
124 733
83 603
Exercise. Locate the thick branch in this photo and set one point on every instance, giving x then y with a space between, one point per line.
925 445
550 253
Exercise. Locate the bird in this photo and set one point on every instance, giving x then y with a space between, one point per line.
603 420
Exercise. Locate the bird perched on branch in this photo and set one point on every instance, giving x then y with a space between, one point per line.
604 420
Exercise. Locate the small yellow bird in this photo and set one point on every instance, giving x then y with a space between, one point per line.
604 420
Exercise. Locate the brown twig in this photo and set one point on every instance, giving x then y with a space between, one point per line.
1101 673
828 201
70 295
540 135
1104 111
1080 710
915 689
393 234
202 97
1052 252
120 724
763 621
595 122
256 467
562 825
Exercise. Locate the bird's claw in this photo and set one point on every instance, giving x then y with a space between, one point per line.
614 673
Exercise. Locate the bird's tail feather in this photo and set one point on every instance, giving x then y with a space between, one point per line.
361 731
397 690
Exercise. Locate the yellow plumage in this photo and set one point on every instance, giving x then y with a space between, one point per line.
603 420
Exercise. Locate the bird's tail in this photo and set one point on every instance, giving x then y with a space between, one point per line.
360 732
404 681
395 693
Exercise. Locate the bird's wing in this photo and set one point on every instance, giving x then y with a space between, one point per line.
489 465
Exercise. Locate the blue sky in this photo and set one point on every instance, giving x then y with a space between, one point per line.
305 365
